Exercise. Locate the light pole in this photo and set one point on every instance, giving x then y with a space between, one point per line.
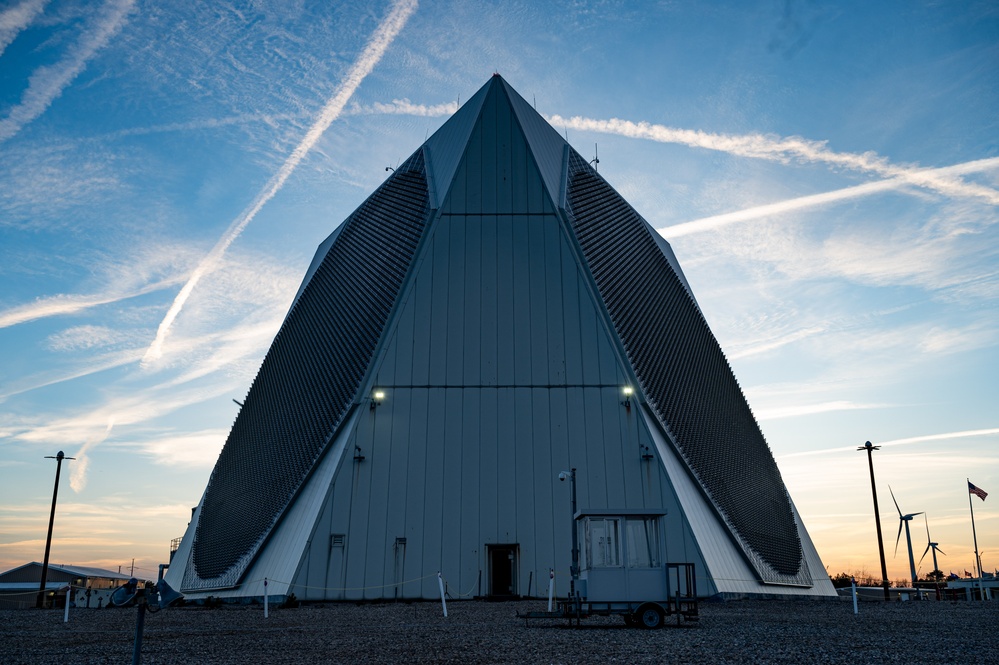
48 539
574 570
877 517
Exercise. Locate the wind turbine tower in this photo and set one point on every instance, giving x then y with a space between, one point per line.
905 519
930 545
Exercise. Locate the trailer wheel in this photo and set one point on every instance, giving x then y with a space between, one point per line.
650 616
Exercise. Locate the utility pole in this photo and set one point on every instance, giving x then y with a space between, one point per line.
877 517
40 603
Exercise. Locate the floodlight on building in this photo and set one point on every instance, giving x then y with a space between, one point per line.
376 398
627 391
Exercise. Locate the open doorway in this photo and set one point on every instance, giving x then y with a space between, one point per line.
502 570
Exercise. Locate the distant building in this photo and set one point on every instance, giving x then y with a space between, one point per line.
19 586
493 314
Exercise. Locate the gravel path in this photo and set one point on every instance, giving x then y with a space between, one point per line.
483 632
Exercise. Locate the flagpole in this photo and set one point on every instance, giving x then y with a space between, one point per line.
974 535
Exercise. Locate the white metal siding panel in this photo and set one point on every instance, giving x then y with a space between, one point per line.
523 329
420 305
357 532
554 308
545 142
433 509
525 502
452 502
488 296
506 514
489 472
439 303
415 506
447 144
505 340
471 329
398 481
455 314
544 479
175 573
470 495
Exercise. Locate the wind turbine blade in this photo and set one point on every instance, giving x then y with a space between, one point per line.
941 551
900 523
896 502
927 522
924 554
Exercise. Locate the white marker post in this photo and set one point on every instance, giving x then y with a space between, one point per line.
853 592
551 587
440 583
265 597
65 615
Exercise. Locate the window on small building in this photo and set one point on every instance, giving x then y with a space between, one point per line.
603 542
643 542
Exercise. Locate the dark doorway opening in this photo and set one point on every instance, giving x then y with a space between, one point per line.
502 570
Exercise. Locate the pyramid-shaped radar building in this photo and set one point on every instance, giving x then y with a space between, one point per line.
493 314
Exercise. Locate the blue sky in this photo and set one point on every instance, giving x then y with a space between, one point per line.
828 177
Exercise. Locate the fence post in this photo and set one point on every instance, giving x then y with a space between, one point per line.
440 582
853 592
65 615
551 587
265 598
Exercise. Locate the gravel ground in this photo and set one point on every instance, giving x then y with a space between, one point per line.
484 632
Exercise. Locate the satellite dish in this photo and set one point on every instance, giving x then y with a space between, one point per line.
125 594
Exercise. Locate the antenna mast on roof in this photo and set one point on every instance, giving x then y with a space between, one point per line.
596 158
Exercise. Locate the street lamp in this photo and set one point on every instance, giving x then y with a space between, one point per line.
48 539
877 517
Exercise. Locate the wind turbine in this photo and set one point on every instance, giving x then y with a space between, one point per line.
930 545
905 519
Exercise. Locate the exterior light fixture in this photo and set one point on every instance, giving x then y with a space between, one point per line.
628 391
376 398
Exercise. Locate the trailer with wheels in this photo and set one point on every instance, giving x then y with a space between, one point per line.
622 572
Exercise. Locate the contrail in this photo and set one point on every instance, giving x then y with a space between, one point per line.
901 442
373 52
716 221
47 83
783 149
406 107
16 19
71 304
78 476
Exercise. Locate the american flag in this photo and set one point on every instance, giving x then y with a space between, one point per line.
977 491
